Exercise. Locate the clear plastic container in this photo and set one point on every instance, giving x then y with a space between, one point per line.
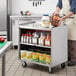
25 38
45 21
41 39
42 58
28 54
48 40
22 37
30 39
48 59
35 56
23 54
35 38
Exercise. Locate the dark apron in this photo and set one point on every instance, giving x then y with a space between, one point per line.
72 50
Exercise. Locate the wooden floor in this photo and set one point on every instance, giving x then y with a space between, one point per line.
14 68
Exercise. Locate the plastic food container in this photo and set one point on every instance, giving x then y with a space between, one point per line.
23 54
48 40
35 56
35 38
45 21
42 58
55 20
41 39
48 59
28 54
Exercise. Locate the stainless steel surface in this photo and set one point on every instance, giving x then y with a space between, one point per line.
3 15
30 61
33 17
35 26
3 65
58 48
3 51
35 45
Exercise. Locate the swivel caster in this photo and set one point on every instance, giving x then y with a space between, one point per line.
63 65
24 64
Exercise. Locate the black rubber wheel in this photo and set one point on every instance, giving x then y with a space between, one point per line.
63 65
24 64
15 47
52 70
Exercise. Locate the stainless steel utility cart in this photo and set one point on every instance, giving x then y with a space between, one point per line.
58 48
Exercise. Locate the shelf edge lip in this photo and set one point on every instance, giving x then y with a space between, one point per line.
30 61
35 28
35 45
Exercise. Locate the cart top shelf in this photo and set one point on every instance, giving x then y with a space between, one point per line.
35 26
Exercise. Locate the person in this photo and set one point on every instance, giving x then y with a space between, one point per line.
68 8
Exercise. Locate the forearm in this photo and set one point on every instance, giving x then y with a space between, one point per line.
57 10
67 16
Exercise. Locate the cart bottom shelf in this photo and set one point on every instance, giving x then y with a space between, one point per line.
51 69
34 62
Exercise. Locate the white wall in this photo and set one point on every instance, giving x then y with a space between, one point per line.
47 6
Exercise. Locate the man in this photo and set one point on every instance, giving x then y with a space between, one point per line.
69 11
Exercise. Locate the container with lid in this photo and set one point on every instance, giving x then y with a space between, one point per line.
48 59
48 40
41 39
55 20
28 54
25 37
23 54
45 21
22 37
35 56
35 38
30 38
42 58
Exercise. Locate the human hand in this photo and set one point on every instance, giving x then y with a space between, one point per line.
60 21
55 13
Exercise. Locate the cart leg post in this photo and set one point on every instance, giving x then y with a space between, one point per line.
3 65
49 69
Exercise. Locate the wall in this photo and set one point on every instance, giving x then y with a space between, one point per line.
47 6
3 15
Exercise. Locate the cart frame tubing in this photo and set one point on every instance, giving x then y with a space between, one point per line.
3 65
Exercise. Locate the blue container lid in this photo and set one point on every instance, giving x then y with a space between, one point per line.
45 15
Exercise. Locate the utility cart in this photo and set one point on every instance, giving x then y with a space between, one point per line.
57 50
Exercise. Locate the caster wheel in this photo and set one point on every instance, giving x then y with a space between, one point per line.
24 64
63 65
